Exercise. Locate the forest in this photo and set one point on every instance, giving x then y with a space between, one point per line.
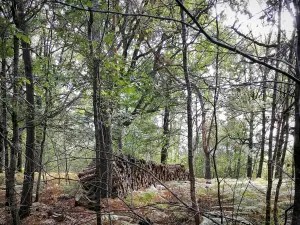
150 112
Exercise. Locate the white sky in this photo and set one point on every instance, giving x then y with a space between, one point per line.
256 8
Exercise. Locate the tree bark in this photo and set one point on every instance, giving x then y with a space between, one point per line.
189 118
20 152
26 196
249 160
296 210
284 137
3 113
274 99
263 130
15 138
166 128
103 143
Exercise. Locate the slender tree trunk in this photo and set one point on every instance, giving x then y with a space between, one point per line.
3 119
238 166
249 160
277 142
278 152
296 210
263 131
94 65
15 139
274 99
40 162
207 168
42 147
19 158
279 169
103 146
3 113
1 149
205 140
166 127
26 196
189 120
204 144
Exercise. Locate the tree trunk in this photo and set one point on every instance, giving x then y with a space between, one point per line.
278 152
40 162
189 119
19 159
274 99
263 130
249 160
103 146
15 139
296 210
277 142
204 144
3 113
280 162
26 196
166 136
4 124
207 168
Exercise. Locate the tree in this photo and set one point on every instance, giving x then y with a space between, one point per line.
26 196
189 118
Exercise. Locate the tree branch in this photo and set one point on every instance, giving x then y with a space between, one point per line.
234 49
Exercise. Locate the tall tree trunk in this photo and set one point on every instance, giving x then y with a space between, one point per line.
26 196
263 130
40 162
204 135
274 99
4 125
42 147
15 138
189 119
207 168
279 145
103 146
279 169
20 158
296 210
166 127
249 160
94 65
3 113
204 144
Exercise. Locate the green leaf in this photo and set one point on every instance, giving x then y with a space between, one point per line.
89 4
25 38
129 90
10 52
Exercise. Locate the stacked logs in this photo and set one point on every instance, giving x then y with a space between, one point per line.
128 174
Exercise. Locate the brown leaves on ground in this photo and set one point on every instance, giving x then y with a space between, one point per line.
157 204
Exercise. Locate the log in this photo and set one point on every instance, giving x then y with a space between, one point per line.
128 174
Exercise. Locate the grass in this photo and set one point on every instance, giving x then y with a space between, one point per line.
139 199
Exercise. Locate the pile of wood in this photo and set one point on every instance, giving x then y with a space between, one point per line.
128 174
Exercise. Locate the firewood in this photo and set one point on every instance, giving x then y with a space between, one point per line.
128 174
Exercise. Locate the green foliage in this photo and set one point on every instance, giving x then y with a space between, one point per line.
143 198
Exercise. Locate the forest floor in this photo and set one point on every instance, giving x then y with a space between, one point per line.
243 201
